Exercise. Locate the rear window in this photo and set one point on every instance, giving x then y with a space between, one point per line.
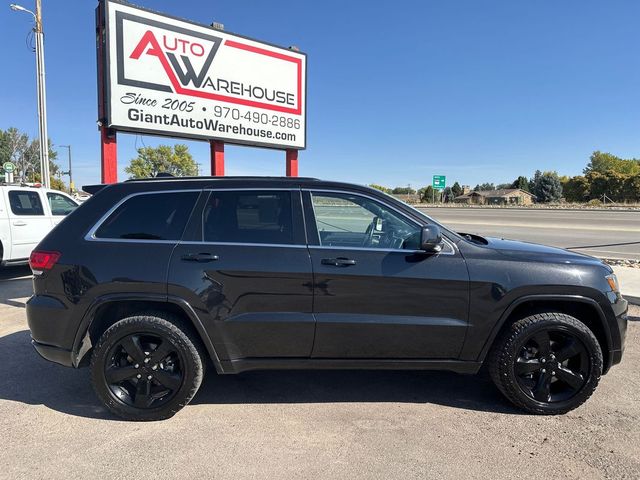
25 203
248 217
155 216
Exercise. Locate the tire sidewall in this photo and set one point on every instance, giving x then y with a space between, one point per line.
564 324
191 366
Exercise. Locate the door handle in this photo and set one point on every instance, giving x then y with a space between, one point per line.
19 223
338 262
200 257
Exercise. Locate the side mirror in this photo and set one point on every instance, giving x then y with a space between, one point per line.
431 239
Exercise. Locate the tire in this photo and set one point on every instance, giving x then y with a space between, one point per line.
133 377
546 378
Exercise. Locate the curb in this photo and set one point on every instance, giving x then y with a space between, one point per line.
631 299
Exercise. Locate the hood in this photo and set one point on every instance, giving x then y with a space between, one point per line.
534 252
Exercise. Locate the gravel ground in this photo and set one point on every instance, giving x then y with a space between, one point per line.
308 424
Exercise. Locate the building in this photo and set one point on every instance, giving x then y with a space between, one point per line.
509 196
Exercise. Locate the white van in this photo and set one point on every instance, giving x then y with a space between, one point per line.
27 214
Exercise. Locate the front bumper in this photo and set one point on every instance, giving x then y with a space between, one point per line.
620 308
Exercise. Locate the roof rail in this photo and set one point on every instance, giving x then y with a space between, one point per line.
93 189
170 177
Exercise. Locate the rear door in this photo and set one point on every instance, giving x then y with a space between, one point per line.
376 295
27 221
244 267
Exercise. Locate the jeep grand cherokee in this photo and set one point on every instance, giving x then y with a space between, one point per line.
151 280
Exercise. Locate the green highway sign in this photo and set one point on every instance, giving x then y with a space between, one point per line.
439 182
8 167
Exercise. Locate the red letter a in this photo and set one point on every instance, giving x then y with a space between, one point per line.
147 39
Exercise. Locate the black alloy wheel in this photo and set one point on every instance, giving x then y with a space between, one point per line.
147 367
144 370
552 366
547 363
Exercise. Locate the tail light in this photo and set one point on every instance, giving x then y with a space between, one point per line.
40 261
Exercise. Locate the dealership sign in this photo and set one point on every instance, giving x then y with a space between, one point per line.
171 77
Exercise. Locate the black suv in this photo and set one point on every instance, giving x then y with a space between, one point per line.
150 281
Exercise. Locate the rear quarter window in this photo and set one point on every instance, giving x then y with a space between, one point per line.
149 216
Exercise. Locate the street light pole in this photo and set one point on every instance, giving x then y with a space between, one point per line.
68 147
42 96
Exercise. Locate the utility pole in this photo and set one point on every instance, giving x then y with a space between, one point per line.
71 185
42 97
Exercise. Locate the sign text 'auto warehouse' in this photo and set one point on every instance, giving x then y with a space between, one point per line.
171 77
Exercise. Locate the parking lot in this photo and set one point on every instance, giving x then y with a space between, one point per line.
306 424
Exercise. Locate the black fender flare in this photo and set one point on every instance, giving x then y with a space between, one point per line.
542 298
82 342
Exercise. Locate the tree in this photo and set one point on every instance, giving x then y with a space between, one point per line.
503 186
603 163
576 189
447 195
631 189
16 147
610 183
150 161
428 194
484 186
456 190
546 187
58 184
30 163
403 191
522 183
381 188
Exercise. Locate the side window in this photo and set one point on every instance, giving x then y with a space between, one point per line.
345 220
60 205
154 216
248 217
25 203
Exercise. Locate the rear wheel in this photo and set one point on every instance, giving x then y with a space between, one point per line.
146 368
549 363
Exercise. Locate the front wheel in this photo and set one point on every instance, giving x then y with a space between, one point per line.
146 368
548 363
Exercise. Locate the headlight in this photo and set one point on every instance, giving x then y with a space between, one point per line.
613 282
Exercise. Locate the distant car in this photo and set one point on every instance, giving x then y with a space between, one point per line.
81 197
152 280
27 214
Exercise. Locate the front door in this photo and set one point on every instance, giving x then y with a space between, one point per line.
245 268
60 205
376 295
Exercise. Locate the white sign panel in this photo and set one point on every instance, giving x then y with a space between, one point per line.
171 77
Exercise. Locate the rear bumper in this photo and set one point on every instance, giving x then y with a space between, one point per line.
52 333
54 354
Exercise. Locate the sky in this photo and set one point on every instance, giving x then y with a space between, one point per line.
397 91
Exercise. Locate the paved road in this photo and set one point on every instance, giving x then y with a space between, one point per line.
561 228
315 425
